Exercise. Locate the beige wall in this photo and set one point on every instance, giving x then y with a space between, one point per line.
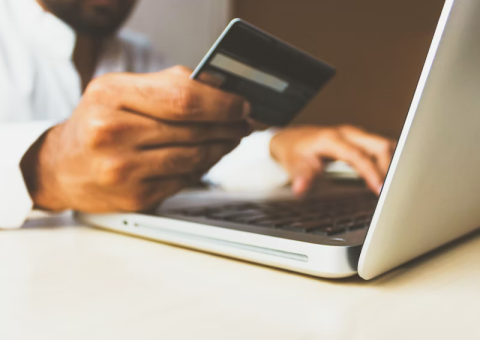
378 47
183 30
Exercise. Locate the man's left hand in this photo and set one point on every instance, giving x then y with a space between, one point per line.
302 151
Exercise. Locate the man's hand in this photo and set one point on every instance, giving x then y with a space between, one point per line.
301 151
133 141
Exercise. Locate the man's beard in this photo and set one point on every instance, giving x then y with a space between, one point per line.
92 18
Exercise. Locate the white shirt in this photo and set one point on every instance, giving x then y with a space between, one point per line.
40 87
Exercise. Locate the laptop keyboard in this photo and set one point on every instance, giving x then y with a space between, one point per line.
319 216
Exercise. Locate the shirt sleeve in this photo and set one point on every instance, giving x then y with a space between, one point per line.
15 201
250 167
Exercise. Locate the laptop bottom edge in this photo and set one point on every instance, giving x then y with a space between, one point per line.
326 261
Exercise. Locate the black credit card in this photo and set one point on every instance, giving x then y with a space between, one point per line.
277 78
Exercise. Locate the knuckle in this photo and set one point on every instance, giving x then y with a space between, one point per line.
113 172
348 129
386 147
97 134
179 69
184 102
102 89
95 87
328 134
101 132
355 157
358 156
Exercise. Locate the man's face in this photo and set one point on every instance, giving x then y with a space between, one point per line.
95 18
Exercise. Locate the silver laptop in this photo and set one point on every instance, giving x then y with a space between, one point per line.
431 195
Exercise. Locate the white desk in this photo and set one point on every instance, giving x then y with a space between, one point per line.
59 280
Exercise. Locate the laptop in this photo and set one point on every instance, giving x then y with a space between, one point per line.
431 195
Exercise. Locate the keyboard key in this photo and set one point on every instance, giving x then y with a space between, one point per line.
271 223
308 226
344 219
195 212
330 231
250 218
223 215
357 226
315 217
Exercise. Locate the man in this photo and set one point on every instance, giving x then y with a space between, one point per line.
84 126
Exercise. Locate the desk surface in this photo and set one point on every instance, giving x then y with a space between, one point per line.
61 280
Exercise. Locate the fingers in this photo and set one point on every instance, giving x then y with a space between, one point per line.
194 134
304 172
296 147
144 132
169 95
378 147
174 161
338 148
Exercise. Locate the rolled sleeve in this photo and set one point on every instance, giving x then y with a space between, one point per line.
250 167
15 201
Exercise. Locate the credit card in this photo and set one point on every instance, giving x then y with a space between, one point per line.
276 78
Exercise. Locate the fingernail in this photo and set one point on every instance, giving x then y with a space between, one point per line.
299 186
379 188
247 108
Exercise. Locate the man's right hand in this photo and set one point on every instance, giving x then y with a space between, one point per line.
133 141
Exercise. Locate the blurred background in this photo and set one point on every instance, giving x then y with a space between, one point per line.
377 46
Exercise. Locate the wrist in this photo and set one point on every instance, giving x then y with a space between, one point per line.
37 167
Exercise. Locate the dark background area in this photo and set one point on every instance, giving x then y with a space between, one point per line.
378 47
